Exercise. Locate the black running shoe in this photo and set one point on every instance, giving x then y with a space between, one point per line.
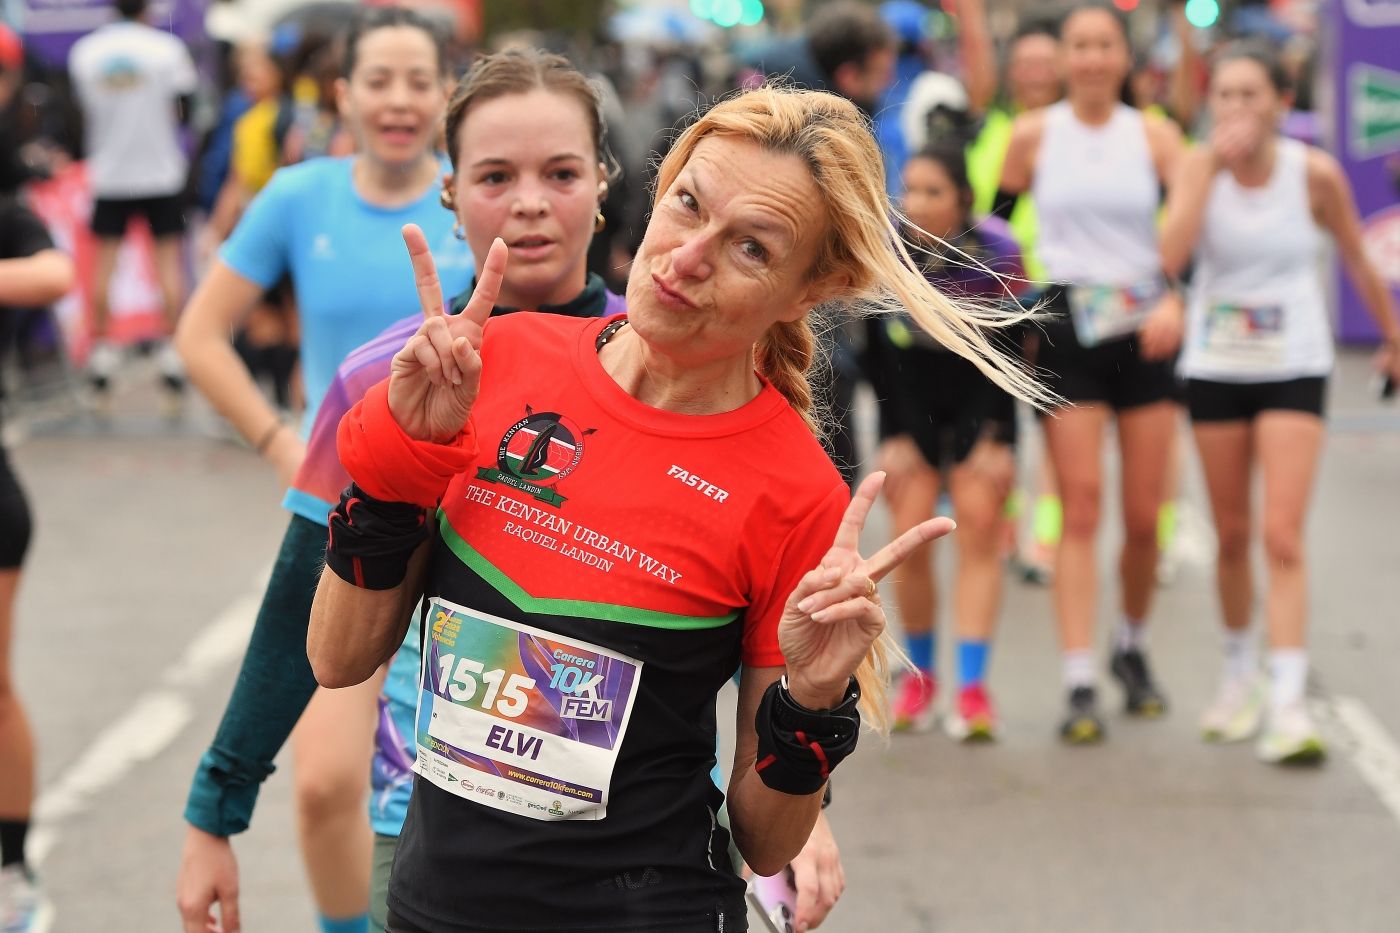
1141 696
1082 725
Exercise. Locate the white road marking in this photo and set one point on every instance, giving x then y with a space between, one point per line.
148 727
1370 747
219 643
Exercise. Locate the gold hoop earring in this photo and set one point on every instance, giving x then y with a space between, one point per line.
599 223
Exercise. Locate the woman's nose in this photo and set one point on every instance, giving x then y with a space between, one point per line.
691 258
530 201
400 95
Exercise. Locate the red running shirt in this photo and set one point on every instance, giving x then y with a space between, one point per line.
653 552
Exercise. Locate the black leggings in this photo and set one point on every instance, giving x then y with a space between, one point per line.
15 524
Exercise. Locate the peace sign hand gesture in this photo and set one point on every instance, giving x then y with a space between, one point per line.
833 617
434 379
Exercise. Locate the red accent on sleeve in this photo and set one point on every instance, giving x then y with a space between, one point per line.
388 464
801 551
760 765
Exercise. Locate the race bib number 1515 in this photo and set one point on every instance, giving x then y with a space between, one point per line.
519 719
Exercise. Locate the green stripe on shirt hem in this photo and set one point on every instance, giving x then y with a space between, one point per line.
576 608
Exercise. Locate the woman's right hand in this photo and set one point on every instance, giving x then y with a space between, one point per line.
286 452
1232 141
434 379
208 876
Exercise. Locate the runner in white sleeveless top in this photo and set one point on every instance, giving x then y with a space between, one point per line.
1253 207
1095 169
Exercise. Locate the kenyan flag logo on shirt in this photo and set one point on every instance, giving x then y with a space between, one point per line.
537 452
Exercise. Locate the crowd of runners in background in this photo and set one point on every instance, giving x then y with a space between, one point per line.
1152 192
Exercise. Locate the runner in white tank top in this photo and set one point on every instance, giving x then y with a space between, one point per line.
1096 193
1256 312
1252 206
1095 168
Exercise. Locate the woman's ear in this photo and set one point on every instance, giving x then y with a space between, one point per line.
448 196
342 98
818 292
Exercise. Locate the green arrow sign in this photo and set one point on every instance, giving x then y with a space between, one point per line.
1374 108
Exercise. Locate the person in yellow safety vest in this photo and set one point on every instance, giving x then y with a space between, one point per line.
1032 81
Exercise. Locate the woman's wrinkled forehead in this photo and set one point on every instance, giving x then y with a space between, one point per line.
773 192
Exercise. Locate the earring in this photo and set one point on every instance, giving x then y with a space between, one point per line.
599 223
457 230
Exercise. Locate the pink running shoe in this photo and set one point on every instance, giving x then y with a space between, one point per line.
975 720
913 702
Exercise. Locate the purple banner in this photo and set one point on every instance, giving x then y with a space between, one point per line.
51 27
1365 82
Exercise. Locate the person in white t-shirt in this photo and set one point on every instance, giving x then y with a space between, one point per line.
131 80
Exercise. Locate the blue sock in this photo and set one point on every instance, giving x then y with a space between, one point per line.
972 662
358 924
921 651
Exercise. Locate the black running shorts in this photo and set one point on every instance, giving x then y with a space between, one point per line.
1113 373
1245 401
166 215
15 524
944 403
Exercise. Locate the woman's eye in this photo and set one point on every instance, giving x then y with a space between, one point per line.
688 201
754 250
565 174
493 178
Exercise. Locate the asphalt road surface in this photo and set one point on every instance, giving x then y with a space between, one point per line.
152 538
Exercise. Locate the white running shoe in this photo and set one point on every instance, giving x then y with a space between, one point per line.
1291 738
1236 712
103 362
168 361
23 909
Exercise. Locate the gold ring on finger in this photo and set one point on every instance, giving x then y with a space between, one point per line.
871 590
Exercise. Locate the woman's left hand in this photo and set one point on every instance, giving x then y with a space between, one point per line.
1160 335
833 617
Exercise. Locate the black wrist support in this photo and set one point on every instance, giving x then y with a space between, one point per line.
371 540
798 748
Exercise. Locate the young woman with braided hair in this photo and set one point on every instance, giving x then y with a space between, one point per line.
531 165
602 517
